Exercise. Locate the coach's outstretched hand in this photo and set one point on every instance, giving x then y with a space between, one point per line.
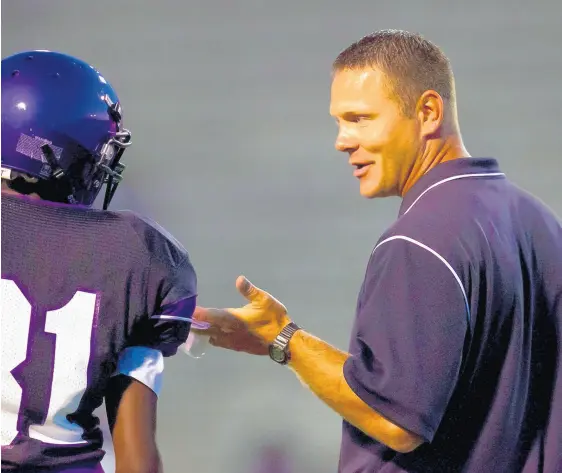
250 328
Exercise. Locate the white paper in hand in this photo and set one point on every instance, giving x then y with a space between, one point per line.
196 344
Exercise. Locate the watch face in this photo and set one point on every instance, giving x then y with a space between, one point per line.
277 354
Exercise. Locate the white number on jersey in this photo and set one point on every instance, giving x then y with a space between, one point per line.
72 326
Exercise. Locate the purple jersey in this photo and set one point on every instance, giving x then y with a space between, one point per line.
85 294
458 333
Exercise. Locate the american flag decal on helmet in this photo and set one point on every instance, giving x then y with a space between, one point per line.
30 146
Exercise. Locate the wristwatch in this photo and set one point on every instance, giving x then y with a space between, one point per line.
279 348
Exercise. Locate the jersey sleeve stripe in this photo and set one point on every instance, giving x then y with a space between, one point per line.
194 323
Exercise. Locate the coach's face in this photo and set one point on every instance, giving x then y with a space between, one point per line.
382 143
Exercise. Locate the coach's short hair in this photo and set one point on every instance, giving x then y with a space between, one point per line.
411 63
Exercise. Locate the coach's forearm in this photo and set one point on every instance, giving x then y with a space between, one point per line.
320 366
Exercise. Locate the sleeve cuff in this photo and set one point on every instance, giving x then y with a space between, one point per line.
398 415
146 365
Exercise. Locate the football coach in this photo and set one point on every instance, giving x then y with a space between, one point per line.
454 363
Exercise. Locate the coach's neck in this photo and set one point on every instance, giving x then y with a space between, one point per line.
436 150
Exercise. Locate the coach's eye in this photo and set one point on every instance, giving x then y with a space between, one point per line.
359 118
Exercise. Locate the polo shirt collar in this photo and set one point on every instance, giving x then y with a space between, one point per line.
447 171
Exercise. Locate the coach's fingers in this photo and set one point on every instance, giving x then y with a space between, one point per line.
240 342
202 314
251 292
263 299
220 320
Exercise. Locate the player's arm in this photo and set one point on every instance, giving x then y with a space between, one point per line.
132 394
161 325
131 411
134 389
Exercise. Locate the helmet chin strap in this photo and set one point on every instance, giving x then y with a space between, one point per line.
64 184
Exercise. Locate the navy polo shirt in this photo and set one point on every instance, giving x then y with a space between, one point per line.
457 336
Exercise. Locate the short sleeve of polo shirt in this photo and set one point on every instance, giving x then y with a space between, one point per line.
410 328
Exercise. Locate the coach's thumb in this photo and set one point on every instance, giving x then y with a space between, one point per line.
247 289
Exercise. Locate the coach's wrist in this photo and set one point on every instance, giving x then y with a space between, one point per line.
270 332
279 348
296 338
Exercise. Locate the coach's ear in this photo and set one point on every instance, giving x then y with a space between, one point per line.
430 110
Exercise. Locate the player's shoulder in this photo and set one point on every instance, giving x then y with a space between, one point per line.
159 244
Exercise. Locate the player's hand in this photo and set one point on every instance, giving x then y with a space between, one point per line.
258 322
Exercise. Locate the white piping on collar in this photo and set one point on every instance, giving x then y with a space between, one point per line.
453 178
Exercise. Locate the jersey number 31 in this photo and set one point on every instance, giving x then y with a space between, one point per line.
72 326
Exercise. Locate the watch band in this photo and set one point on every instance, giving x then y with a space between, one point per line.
278 350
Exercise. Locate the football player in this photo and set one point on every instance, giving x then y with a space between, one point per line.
92 300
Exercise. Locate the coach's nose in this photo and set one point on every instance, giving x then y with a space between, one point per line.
345 142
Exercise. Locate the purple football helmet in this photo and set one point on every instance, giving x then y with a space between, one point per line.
61 124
